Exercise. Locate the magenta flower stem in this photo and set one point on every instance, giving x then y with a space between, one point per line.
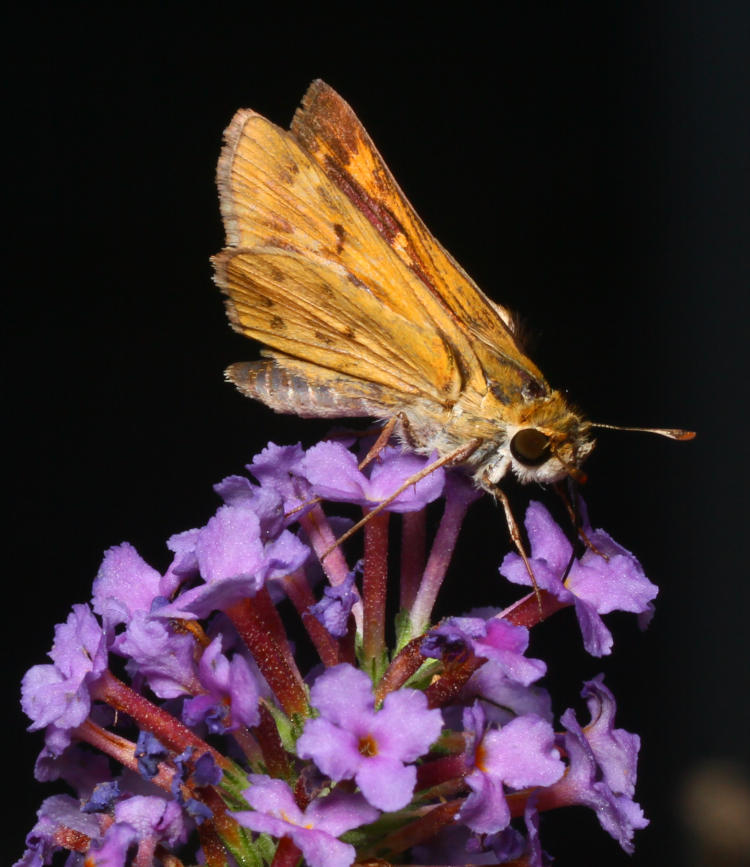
169 730
528 612
298 590
286 855
321 537
268 613
120 749
438 562
221 827
249 746
374 583
407 662
448 686
440 771
285 680
426 827
275 756
211 845
413 555
322 540
145 855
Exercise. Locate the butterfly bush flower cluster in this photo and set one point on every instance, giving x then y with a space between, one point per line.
244 707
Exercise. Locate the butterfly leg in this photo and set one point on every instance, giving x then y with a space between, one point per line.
515 535
570 500
457 456
399 418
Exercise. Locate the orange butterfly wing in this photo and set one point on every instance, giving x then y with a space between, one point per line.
332 134
308 275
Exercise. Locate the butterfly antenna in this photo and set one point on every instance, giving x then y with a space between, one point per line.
671 433
313 501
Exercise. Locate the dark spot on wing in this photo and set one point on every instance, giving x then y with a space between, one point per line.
277 323
325 196
354 280
281 244
278 224
376 212
284 176
340 233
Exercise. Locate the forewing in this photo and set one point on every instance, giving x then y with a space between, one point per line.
340 295
330 132
317 312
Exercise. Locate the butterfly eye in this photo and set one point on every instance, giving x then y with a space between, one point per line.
530 447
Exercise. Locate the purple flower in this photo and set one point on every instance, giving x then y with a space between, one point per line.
334 475
59 693
126 591
278 468
57 814
594 585
265 502
230 547
504 681
113 847
498 641
520 754
313 831
103 797
359 755
202 771
152 817
504 699
234 561
333 610
602 768
350 739
232 693
206 772
149 751
508 844
184 564
124 584
163 658
455 845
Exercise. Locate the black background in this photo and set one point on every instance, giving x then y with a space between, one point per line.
587 164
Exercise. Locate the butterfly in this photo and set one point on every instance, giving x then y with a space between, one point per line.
364 314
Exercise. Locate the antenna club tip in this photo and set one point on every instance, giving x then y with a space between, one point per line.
671 433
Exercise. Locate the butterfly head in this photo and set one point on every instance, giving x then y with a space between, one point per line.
546 442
